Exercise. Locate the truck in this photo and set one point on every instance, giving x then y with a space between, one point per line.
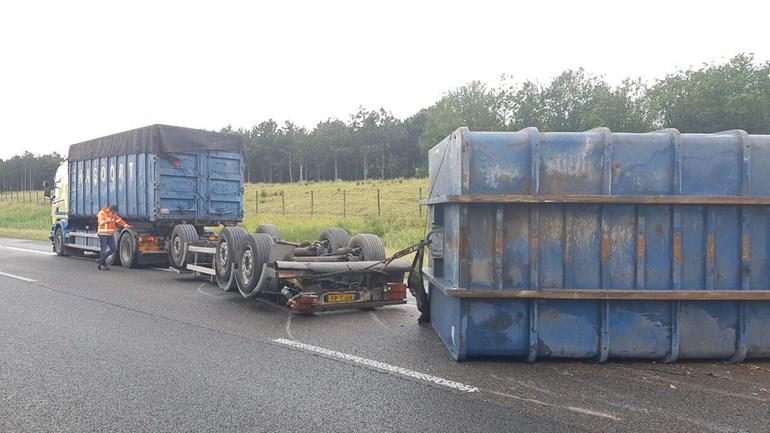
177 187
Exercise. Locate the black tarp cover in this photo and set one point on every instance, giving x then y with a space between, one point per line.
156 139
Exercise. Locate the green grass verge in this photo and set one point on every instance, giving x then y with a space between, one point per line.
25 220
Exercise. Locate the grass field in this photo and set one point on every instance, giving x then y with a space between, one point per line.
351 205
25 220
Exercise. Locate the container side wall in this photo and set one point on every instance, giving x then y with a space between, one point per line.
491 245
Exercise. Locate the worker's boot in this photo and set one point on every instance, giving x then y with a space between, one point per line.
99 266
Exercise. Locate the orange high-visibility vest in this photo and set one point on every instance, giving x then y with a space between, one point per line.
107 221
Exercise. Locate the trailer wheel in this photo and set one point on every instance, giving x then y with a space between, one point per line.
370 245
228 245
336 237
182 233
58 243
269 229
228 283
254 254
127 249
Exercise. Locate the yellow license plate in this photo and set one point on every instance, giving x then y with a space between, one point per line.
340 297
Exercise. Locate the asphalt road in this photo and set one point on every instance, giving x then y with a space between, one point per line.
148 350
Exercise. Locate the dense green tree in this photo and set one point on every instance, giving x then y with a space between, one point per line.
731 95
474 105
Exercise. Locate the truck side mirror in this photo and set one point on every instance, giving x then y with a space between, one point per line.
47 191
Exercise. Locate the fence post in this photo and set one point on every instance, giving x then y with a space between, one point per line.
283 203
256 201
379 210
419 197
344 203
311 202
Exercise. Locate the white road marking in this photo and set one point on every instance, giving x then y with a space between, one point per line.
29 280
26 250
569 408
378 365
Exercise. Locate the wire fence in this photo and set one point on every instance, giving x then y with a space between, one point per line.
364 202
31 197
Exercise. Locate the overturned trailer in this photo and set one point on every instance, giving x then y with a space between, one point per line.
601 245
334 272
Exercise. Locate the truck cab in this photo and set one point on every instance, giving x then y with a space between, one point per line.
59 196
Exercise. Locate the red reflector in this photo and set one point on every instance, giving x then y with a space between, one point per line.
395 292
302 302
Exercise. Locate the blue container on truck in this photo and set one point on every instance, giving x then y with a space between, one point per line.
165 180
598 245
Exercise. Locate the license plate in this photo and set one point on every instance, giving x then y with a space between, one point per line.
340 297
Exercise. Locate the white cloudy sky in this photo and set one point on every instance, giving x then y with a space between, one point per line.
75 70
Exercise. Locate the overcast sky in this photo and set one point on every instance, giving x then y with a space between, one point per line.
72 71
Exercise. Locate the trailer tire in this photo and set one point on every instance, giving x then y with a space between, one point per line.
337 238
227 248
181 234
228 283
253 256
370 245
269 229
58 243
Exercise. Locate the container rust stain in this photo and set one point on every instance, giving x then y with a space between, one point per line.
677 247
710 254
640 247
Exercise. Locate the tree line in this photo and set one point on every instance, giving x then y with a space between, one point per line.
734 94
27 171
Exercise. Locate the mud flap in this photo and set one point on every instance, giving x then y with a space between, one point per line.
417 287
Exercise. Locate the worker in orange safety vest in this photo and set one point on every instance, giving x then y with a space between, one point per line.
107 218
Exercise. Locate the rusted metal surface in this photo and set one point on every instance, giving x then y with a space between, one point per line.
598 244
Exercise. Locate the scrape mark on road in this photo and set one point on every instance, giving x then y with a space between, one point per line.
377 365
288 326
377 320
581 410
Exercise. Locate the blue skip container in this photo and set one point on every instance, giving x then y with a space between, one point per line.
598 245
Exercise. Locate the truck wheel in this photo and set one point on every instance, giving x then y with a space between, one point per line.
58 243
269 229
336 237
228 245
370 245
127 249
254 254
177 252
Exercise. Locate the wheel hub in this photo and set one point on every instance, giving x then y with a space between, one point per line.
246 263
223 259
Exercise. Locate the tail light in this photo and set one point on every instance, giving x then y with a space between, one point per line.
395 292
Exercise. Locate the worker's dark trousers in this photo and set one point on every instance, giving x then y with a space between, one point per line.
106 246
